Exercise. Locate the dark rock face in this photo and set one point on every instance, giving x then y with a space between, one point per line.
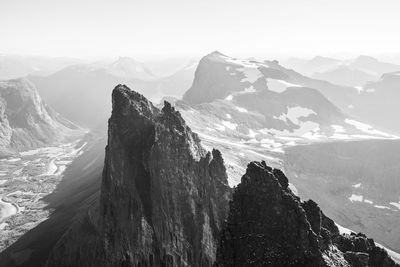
268 225
163 197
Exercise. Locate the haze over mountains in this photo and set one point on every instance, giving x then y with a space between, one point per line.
88 86
15 66
350 72
242 110
178 208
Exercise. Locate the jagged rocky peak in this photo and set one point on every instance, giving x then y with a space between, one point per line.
163 197
268 225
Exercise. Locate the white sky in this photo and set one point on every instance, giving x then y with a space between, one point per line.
187 27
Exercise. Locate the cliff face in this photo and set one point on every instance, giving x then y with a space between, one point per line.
163 197
269 226
25 120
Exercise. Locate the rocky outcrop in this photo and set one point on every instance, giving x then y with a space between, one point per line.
25 120
268 225
163 197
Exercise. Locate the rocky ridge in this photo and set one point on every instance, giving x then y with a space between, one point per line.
163 197
268 225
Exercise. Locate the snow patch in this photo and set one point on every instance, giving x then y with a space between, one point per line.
338 128
359 89
240 109
294 113
219 127
252 133
229 125
366 128
279 86
356 198
368 201
396 204
229 97
381 207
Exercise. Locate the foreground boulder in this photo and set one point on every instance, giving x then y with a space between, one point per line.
268 225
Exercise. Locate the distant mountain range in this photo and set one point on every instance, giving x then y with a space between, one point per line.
351 72
263 103
26 122
81 92
163 201
241 110
14 66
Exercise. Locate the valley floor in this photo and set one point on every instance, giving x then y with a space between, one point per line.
24 183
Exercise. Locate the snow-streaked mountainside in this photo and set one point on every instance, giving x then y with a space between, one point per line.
249 119
81 92
237 104
26 122
227 76
92 228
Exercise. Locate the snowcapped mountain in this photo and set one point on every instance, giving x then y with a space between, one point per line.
176 215
81 92
261 107
26 122
226 74
373 97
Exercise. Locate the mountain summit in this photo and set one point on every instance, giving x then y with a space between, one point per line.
268 225
163 197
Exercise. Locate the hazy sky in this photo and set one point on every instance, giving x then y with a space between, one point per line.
183 27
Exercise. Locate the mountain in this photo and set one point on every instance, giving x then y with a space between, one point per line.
161 200
313 65
378 101
237 104
354 72
345 76
373 66
26 122
13 66
268 225
247 129
165 67
163 197
226 75
80 93
128 68
356 183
